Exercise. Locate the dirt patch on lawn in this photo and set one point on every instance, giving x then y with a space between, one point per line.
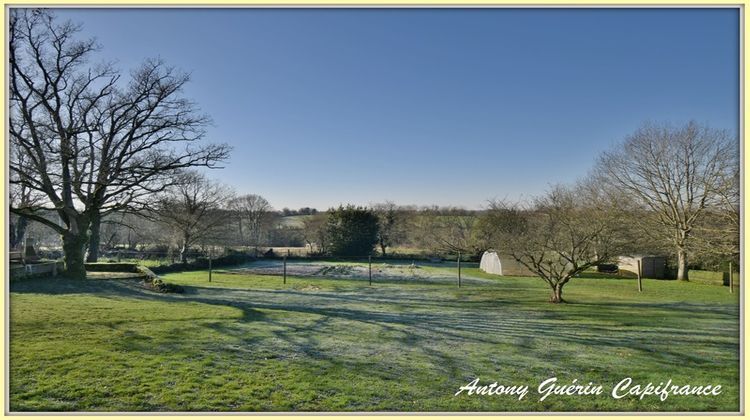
335 271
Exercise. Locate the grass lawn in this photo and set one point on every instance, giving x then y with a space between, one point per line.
248 342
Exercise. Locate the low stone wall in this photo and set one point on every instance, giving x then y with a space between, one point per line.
17 272
53 268
112 267
41 269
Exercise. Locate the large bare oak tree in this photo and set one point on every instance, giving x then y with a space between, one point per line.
675 174
253 216
91 144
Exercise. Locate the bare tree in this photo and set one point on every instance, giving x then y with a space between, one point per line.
143 232
91 145
41 237
673 173
194 208
717 233
252 215
123 229
315 233
558 236
449 230
391 226
20 195
111 232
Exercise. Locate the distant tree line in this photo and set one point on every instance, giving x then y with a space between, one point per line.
303 211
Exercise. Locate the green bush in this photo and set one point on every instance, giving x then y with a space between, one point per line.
352 231
158 285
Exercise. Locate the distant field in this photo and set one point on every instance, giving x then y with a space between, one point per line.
247 342
294 221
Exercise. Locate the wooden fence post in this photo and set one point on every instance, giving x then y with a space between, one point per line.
731 279
640 283
210 271
285 267
459 268
369 264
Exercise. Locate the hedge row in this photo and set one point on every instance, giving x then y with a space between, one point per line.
202 263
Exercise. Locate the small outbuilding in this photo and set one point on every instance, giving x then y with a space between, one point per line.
652 266
502 265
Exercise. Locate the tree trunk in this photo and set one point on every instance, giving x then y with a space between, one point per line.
382 249
682 264
12 235
132 240
18 232
184 250
94 238
73 246
242 236
255 233
556 294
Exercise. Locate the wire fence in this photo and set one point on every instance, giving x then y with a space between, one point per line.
366 269
288 262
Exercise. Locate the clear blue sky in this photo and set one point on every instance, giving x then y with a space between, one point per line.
430 106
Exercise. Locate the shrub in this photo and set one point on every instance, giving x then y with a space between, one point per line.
352 231
158 285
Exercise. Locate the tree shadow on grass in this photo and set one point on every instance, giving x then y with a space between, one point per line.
420 321
685 307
